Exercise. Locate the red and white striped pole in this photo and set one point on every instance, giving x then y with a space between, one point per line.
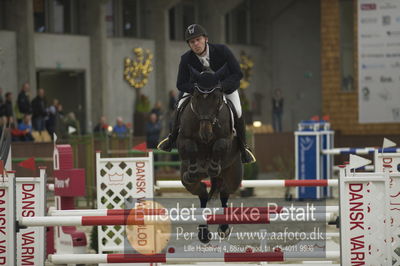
263 183
190 256
178 219
107 212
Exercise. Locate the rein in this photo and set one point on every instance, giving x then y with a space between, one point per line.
213 119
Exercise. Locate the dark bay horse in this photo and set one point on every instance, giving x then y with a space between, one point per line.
207 145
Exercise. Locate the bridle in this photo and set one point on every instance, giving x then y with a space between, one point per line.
212 118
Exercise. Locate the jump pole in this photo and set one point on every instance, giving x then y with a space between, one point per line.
107 212
185 257
155 220
263 183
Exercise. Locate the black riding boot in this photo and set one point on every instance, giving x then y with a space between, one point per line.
246 154
167 143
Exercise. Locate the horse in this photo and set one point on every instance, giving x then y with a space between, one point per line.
207 145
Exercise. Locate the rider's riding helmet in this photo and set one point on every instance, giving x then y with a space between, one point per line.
193 31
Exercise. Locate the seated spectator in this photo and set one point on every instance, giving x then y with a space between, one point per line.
25 128
102 126
153 130
120 130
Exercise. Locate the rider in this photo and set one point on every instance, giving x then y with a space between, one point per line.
202 56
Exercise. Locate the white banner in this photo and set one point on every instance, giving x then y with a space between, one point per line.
379 61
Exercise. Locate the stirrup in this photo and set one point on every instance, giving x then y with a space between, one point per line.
248 156
165 145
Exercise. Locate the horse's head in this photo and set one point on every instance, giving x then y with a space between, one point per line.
207 100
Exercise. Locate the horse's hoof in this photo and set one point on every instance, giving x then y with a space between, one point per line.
204 235
224 231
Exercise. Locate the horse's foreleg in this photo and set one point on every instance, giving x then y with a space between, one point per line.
219 149
188 150
204 235
223 229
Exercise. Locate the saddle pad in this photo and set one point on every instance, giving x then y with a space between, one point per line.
232 112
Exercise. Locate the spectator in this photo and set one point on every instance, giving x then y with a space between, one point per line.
1 103
60 128
172 101
39 111
8 108
52 118
102 126
120 130
157 109
25 127
277 110
72 124
153 130
1 96
23 103
171 108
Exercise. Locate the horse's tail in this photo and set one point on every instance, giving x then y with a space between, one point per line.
215 187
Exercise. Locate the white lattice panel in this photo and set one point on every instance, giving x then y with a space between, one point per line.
364 210
117 180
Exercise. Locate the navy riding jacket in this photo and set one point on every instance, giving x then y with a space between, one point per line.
219 55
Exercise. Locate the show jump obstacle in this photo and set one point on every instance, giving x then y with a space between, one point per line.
314 151
367 204
368 217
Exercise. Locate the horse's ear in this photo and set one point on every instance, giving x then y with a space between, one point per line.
194 74
220 74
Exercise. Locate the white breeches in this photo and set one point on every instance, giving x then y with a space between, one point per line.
233 97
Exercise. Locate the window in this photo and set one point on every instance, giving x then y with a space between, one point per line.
130 18
237 24
347 44
124 18
58 16
39 15
180 17
110 25
2 14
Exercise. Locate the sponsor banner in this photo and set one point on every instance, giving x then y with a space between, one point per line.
379 61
